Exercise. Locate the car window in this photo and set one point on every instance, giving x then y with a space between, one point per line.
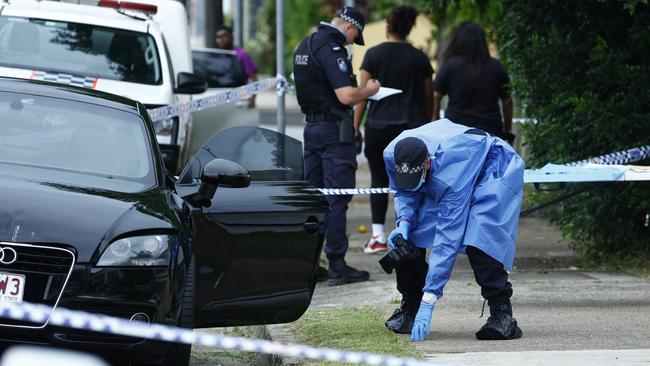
79 49
46 138
268 155
221 68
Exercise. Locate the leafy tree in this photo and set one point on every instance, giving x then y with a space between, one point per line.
445 14
299 16
582 69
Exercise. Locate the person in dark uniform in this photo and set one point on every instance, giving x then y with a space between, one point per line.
326 90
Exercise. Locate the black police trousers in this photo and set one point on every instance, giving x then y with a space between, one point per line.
331 164
488 272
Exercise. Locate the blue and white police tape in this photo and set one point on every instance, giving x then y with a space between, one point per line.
222 97
620 157
60 317
344 191
615 158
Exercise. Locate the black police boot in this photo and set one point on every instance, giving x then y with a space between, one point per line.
403 317
500 325
322 274
340 273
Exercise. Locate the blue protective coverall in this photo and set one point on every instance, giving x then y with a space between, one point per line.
472 196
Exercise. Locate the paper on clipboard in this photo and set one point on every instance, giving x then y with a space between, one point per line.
384 92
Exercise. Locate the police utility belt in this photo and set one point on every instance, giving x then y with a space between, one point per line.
322 117
343 118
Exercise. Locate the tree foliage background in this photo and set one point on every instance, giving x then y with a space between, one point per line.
582 69
301 15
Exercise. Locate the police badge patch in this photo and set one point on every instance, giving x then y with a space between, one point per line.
342 65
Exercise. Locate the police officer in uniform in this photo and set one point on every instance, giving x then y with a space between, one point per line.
326 90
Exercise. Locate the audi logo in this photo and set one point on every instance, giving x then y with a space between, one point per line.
7 255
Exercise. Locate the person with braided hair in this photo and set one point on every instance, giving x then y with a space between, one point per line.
396 64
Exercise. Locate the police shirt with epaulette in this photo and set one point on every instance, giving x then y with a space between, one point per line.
320 66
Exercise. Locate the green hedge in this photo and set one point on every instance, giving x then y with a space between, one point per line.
582 69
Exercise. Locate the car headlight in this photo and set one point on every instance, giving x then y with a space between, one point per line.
138 251
164 127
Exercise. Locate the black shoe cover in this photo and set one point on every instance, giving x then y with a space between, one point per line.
346 274
401 321
322 274
500 325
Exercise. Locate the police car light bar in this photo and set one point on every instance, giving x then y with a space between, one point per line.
128 5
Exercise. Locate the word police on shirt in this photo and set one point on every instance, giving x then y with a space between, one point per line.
302 60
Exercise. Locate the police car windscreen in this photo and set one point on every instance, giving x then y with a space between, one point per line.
72 143
78 49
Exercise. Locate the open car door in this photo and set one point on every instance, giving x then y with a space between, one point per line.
256 248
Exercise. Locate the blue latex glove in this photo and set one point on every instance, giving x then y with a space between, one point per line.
422 324
402 228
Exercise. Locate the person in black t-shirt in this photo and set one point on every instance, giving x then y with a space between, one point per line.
474 82
396 64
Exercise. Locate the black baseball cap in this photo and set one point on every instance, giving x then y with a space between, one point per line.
353 16
410 155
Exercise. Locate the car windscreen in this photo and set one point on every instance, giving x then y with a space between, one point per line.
83 50
221 68
56 140
266 154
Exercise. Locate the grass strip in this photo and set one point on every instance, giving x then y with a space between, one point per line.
208 356
359 329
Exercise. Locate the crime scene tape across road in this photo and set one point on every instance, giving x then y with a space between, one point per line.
616 158
222 97
104 324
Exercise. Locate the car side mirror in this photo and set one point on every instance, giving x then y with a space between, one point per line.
219 173
188 83
225 173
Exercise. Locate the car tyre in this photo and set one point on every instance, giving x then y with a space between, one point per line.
179 354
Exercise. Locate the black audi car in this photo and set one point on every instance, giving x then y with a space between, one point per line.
90 220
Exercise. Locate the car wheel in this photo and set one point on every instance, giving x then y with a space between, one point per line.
179 354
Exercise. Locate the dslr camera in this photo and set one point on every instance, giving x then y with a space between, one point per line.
404 250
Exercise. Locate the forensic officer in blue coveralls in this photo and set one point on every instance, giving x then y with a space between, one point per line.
458 190
326 90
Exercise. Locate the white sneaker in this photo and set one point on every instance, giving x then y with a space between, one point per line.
374 245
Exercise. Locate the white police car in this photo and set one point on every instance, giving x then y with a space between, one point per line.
113 46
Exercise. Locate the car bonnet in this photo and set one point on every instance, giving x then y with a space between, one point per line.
80 219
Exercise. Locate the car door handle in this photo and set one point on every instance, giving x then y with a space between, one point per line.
311 225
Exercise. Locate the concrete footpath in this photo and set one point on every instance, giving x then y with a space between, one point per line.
568 316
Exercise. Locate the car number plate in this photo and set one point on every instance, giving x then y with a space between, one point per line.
12 287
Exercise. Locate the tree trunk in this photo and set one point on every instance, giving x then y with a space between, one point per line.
213 19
